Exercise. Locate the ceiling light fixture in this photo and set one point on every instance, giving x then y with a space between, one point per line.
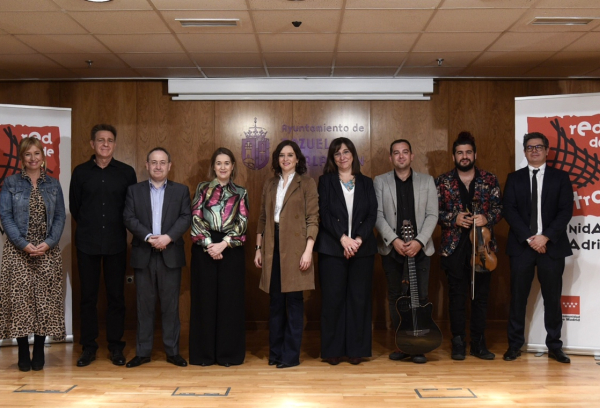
98 1
208 22
561 21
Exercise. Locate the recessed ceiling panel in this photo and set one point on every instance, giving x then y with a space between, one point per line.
141 43
430 59
473 20
295 5
123 22
350 72
534 41
162 60
373 59
199 4
299 59
237 59
81 5
299 72
385 21
559 72
297 42
218 42
106 73
566 4
587 42
430 72
512 59
169 72
28 5
494 72
234 72
39 23
28 61
392 4
455 42
63 44
11 45
377 42
524 23
525 4
574 58
313 21
80 60
45 73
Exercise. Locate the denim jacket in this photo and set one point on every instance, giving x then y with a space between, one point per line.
14 209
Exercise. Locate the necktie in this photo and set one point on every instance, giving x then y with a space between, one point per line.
533 222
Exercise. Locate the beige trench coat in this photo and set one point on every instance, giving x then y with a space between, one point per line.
298 221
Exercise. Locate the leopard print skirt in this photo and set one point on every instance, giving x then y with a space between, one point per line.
31 288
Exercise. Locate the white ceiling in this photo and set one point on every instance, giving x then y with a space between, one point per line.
53 39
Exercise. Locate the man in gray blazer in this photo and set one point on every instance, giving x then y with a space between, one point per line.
157 212
403 194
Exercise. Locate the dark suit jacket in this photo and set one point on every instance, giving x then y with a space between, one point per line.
333 215
176 219
557 210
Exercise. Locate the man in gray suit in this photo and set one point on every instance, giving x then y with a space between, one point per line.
403 194
158 213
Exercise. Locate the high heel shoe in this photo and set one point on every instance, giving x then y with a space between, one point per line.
38 359
24 363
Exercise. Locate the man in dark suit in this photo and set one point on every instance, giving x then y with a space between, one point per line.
158 213
538 205
404 194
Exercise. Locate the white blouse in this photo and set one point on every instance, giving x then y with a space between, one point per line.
349 197
281 190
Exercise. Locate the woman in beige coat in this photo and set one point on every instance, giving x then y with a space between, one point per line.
289 210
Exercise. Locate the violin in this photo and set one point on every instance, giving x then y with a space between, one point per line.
483 258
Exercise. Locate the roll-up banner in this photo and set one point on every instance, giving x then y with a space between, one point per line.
572 125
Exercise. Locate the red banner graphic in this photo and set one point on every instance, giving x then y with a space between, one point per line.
11 135
574 143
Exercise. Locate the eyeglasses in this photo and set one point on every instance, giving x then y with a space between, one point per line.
537 148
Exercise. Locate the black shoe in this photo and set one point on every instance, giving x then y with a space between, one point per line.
38 359
559 356
511 354
282 365
398 355
138 361
459 350
117 357
479 349
273 362
332 360
24 363
177 360
419 359
86 358
355 360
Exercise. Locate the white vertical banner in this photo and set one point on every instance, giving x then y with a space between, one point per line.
53 127
572 125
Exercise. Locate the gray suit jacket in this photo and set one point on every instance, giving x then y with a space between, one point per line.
426 210
176 219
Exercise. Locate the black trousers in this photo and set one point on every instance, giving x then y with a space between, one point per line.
346 310
549 272
217 315
286 317
90 269
459 291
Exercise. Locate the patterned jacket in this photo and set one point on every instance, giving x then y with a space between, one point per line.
487 193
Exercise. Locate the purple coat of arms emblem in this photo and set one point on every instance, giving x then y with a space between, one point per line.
255 148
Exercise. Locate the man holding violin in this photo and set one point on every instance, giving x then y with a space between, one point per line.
469 202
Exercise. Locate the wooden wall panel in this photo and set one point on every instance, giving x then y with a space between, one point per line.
145 116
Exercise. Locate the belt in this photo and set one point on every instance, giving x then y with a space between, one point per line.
156 249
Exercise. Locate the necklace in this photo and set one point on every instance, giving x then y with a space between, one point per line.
348 184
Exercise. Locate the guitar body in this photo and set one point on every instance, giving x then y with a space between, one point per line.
417 333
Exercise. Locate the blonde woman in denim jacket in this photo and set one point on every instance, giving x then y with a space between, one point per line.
32 211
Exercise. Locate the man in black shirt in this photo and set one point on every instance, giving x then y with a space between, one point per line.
96 200
403 194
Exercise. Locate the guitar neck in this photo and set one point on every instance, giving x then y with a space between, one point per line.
412 278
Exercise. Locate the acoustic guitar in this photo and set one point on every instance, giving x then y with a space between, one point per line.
417 333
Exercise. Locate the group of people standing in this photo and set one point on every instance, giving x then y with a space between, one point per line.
336 219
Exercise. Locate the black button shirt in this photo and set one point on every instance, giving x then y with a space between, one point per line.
96 200
405 201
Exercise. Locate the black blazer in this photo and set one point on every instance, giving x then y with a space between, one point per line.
333 215
176 219
557 210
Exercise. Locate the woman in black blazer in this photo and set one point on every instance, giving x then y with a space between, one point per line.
347 248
